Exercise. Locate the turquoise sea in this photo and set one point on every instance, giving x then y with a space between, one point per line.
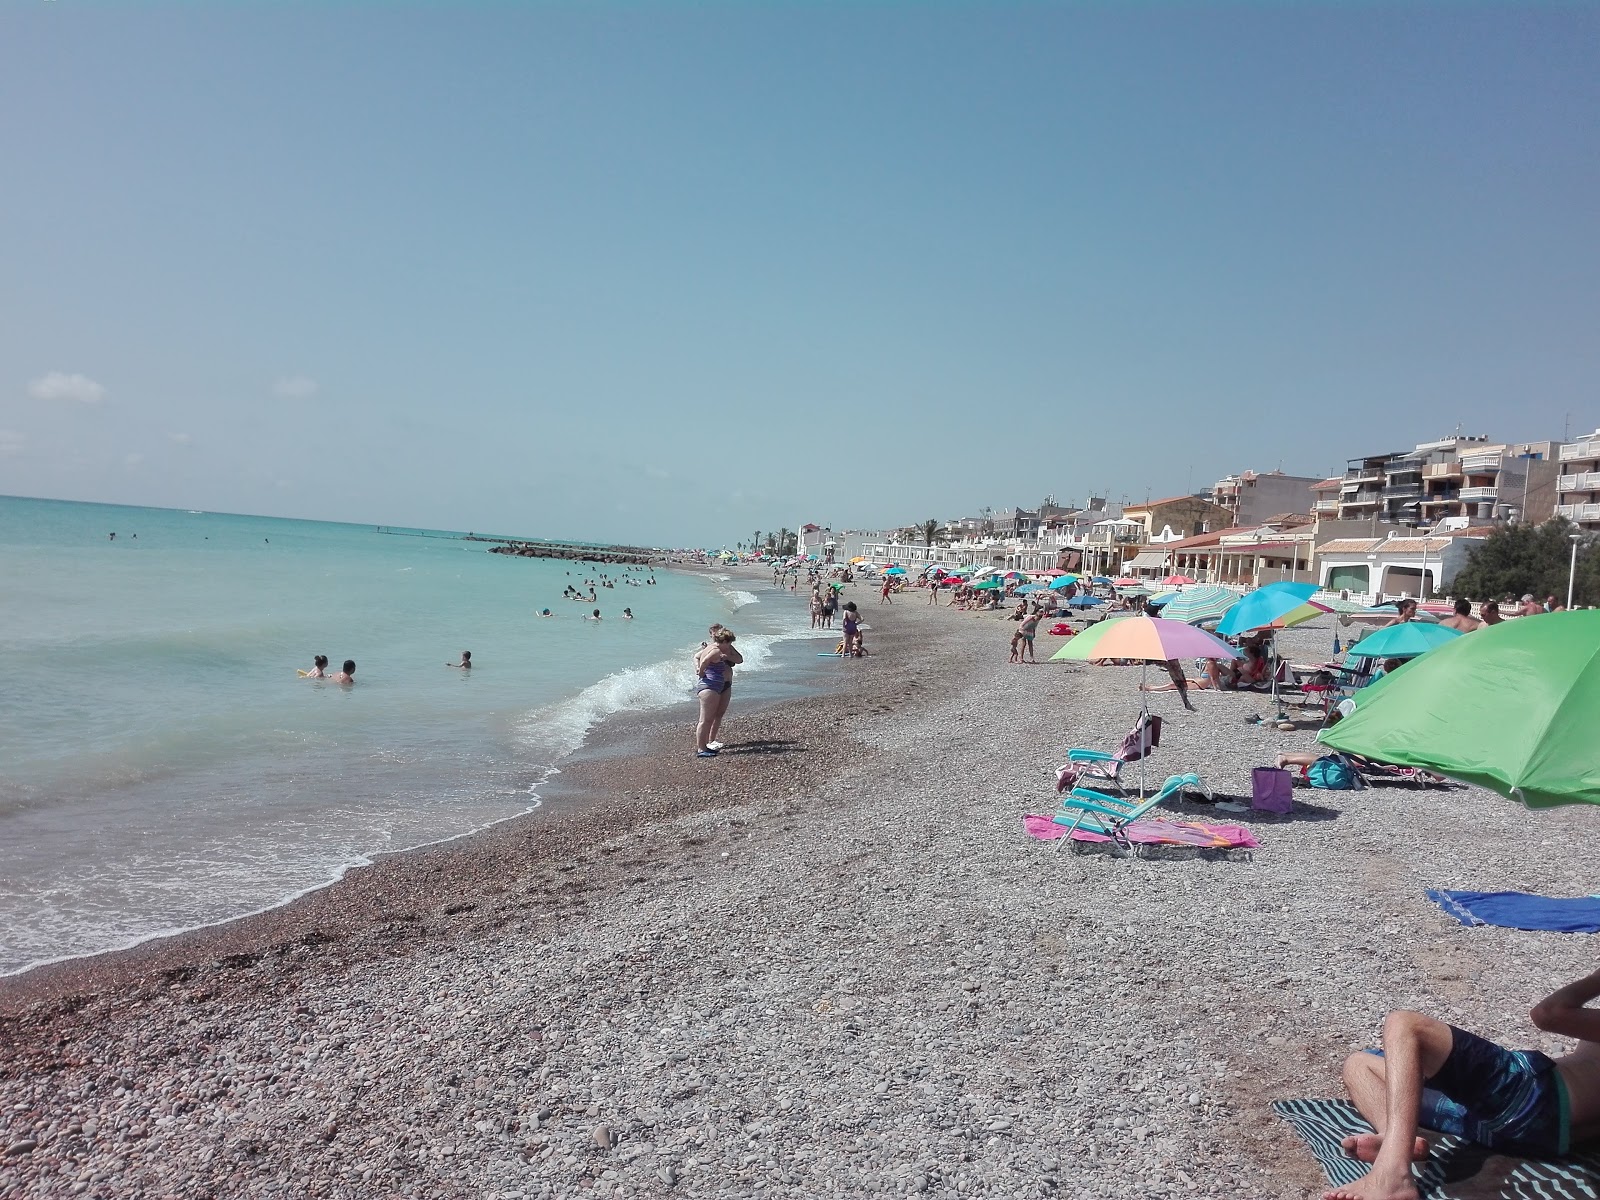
163 767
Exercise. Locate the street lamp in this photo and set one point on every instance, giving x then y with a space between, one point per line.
1572 567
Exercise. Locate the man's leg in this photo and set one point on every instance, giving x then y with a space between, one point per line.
1414 1048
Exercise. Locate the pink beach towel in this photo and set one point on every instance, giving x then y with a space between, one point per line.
1156 831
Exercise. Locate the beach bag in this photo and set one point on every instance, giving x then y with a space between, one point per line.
1334 773
1271 790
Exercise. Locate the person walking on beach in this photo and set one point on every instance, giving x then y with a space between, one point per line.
1515 1102
816 608
346 674
883 594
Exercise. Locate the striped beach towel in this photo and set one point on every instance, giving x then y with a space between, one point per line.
1457 1169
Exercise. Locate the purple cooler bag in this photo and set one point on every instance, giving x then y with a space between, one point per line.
1271 790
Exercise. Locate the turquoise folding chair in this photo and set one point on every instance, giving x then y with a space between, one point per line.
1110 816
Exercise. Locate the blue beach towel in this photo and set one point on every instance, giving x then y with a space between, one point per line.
1456 1170
1519 910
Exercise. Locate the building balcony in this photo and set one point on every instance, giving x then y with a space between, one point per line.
1587 481
1402 491
1472 494
1325 506
1445 470
1579 512
1481 462
1363 475
1366 500
1589 448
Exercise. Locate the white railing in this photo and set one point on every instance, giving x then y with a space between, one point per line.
1481 462
1584 481
1479 493
1572 450
1579 512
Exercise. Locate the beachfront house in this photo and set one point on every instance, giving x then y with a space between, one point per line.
1392 566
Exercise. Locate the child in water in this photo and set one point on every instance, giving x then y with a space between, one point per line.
319 668
466 661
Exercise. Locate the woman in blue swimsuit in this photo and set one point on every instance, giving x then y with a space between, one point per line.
714 688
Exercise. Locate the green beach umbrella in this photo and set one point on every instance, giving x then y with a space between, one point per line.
1511 707
989 585
1407 640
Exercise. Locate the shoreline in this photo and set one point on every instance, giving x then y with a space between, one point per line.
572 786
831 964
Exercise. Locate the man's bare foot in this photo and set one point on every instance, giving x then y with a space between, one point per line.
1369 1188
1365 1146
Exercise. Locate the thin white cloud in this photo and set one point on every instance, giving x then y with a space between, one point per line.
11 443
58 385
295 387
179 439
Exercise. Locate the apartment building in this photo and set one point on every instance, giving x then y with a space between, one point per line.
1464 476
1514 482
1578 484
1253 496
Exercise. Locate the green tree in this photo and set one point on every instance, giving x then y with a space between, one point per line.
1516 560
929 528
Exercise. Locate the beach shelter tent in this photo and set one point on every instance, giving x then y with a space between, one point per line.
1511 707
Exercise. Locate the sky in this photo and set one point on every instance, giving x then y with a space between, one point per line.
672 273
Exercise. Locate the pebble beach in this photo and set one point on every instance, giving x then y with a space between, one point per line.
828 962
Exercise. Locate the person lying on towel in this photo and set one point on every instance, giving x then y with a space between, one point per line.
1433 1075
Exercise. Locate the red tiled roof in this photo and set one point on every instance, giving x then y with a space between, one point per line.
1328 485
1197 541
1149 504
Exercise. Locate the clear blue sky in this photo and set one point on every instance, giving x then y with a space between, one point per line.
675 272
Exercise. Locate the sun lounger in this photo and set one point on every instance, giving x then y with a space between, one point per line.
1110 816
1106 768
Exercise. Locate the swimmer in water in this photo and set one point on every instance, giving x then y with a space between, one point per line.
594 616
347 674
627 614
319 668
545 612
466 661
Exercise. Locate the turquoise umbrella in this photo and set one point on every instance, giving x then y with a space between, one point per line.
1063 581
1511 707
1264 606
1406 640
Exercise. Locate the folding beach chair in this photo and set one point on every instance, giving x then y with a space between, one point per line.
1107 768
1110 816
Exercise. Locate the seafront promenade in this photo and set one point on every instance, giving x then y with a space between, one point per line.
828 962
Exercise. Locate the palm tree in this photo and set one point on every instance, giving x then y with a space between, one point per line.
755 540
929 528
